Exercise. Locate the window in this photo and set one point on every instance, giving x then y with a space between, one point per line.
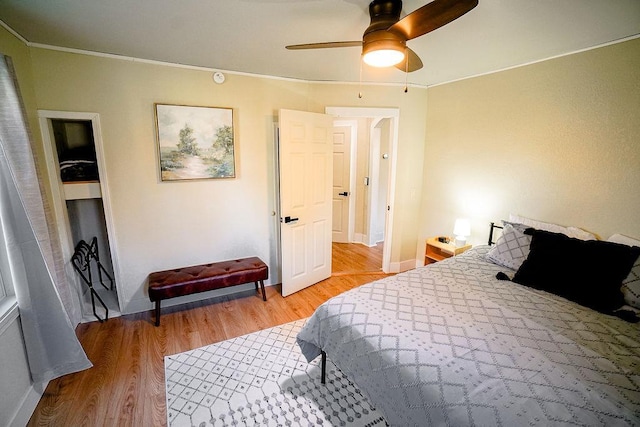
8 304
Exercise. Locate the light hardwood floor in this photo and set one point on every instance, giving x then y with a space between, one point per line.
125 387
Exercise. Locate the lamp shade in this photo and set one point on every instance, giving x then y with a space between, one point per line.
461 230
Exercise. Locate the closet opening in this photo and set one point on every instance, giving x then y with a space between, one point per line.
73 147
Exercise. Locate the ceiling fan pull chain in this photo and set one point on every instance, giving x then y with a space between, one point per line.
360 84
406 70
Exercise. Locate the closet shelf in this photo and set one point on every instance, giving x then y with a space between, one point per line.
82 190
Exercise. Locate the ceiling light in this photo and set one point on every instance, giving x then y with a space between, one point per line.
383 51
383 58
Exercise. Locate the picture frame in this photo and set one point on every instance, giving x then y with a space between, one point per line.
195 143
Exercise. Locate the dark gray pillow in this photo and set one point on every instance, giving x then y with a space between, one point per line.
589 272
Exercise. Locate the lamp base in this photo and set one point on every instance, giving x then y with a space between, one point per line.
460 241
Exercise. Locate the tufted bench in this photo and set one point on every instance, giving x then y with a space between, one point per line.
199 278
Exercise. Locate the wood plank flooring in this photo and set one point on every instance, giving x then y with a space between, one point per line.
125 387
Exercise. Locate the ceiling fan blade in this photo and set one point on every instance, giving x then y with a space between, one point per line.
431 16
415 63
324 45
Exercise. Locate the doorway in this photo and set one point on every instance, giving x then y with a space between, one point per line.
304 161
373 163
77 176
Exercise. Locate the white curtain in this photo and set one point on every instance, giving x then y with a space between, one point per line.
31 255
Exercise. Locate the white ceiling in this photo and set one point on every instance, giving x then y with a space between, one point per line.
249 36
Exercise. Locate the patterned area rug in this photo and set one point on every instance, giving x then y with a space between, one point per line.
260 379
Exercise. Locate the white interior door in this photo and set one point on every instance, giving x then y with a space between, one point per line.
305 165
341 183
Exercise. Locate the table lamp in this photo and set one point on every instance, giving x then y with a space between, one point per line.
461 230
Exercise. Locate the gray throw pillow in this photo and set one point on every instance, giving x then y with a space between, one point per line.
631 286
512 247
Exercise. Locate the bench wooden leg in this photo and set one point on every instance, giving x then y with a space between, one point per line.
158 313
264 295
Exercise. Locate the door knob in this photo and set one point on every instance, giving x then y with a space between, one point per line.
346 193
288 219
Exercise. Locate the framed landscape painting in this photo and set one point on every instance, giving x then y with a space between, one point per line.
195 142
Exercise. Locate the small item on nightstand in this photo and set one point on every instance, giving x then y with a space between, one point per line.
443 239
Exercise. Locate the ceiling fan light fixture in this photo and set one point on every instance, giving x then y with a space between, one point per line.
383 57
383 53
384 42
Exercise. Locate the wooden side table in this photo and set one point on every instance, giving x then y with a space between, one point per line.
437 251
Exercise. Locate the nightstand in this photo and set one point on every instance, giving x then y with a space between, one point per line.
437 251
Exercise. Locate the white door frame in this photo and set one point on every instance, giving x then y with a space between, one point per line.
394 115
57 190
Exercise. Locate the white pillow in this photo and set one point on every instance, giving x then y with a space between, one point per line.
512 247
619 238
575 232
630 285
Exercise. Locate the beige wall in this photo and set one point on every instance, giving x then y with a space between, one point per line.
557 141
165 225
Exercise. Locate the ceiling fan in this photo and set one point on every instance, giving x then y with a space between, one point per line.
384 42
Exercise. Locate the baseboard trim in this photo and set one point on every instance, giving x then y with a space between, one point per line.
399 267
359 238
27 407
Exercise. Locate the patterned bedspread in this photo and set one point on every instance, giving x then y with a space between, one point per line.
449 345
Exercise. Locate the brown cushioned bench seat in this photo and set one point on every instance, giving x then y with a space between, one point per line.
200 278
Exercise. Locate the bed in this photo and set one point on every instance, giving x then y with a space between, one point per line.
450 344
